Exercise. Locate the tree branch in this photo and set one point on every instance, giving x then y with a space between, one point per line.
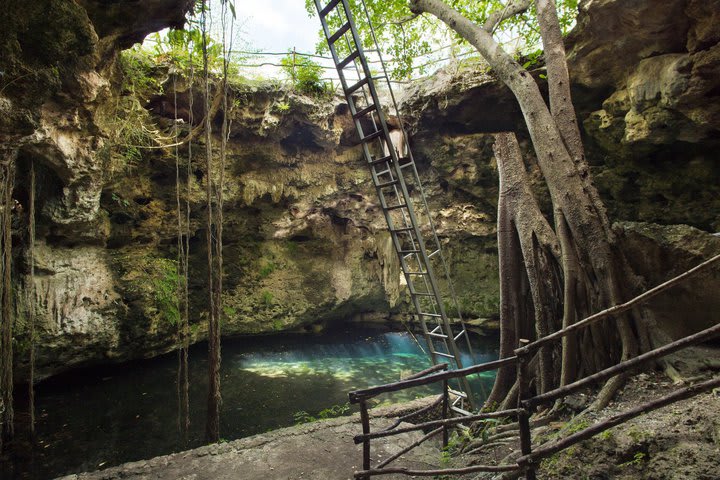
513 8
402 21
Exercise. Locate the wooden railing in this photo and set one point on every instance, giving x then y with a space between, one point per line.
529 459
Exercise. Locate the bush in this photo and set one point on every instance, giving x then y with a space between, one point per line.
304 74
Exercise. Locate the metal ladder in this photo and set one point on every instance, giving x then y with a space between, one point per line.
396 179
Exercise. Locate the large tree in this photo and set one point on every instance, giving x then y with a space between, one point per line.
551 276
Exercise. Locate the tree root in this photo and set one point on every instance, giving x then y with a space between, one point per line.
672 372
608 391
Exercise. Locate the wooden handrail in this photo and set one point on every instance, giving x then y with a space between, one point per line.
435 368
623 366
614 310
432 473
358 395
528 461
617 419
437 423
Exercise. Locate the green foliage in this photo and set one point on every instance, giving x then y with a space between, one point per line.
304 74
119 200
330 412
575 425
531 59
407 40
165 284
282 107
183 49
267 298
267 268
138 68
638 459
129 126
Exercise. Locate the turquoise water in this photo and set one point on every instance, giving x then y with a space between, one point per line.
95 419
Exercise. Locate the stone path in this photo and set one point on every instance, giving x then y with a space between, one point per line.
316 451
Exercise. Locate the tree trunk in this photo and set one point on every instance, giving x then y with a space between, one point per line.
523 232
584 232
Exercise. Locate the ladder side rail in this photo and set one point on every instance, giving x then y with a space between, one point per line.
393 154
454 351
414 167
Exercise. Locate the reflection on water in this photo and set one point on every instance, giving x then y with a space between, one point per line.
101 418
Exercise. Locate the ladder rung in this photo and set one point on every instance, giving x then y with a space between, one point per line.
437 335
444 355
342 31
328 7
434 330
373 136
417 273
403 165
432 315
396 207
365 111
354 88
434 253
387 184
462 332
380 160
422 294
404 229
408 252
348 59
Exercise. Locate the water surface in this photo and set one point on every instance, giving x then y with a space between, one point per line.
97 418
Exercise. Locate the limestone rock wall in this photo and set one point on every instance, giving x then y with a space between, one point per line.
305 241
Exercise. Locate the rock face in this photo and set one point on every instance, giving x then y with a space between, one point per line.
305 241
659 253
646 85
657 126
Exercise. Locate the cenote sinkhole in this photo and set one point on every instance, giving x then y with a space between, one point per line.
96 418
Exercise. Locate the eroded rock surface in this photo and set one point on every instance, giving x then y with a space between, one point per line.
305 240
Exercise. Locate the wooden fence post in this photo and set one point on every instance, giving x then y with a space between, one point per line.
365 419
445 409
524 414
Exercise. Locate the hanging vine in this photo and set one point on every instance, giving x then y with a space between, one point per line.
183 232
212 426
7 181
31 298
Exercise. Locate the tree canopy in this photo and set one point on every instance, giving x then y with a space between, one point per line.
408 40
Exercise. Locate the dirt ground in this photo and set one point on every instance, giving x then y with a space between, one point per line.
321 450
678 442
